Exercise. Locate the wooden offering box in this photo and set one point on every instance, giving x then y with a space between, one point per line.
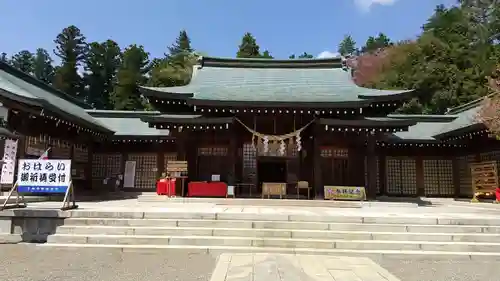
484 179
177 168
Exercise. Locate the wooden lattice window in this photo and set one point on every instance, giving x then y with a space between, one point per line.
491 156
60 149
378 174
35 146
330 152
171 156
463 163
438 177
80 154
145 170
401 176
106 165
249 162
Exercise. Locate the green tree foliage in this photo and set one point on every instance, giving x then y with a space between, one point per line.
347 46
266 55
43 68
376 43
3 57
130 75
101 65
447 65
248 47
23 61
71 49
175 69
304 55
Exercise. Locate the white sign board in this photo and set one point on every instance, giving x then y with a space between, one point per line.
129 177
43 176
9 156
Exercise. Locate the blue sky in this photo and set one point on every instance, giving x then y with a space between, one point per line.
215 26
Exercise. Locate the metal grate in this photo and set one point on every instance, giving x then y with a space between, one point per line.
378 173
145 169
401 176
463 163
438 177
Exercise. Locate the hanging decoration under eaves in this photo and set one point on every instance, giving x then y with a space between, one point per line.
278 142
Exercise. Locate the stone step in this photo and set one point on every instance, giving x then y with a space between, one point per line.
257 224
342 244
281 233
266 202
312 217
217 250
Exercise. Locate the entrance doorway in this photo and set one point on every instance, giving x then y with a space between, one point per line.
271 169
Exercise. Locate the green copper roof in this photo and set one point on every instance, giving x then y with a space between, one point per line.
425 128
128 123
265 80
20 87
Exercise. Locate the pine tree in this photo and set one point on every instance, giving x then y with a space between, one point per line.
130 75
347 46
23 61
248 47
101 64
42 67
71 49
180 49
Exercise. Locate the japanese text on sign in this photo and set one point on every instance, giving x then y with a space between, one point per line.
345 192
43 175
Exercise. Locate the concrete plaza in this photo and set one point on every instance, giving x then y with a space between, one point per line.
127 262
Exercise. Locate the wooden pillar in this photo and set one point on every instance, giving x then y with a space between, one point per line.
232 151
419 170
160 159
456 177
382 172
316 156
371 166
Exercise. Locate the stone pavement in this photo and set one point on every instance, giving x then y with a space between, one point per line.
283 267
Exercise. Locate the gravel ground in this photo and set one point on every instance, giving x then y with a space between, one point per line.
441 270
31 263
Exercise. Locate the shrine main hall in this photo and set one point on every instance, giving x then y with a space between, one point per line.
251 121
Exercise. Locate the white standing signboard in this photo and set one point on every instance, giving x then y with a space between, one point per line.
129 177
9 157
43 175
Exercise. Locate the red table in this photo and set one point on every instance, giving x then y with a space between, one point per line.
207 189
166 187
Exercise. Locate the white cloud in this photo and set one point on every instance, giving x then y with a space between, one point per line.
365 5
327 54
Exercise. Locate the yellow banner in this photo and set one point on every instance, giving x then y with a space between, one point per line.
345 192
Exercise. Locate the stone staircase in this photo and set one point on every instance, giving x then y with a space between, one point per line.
240 232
